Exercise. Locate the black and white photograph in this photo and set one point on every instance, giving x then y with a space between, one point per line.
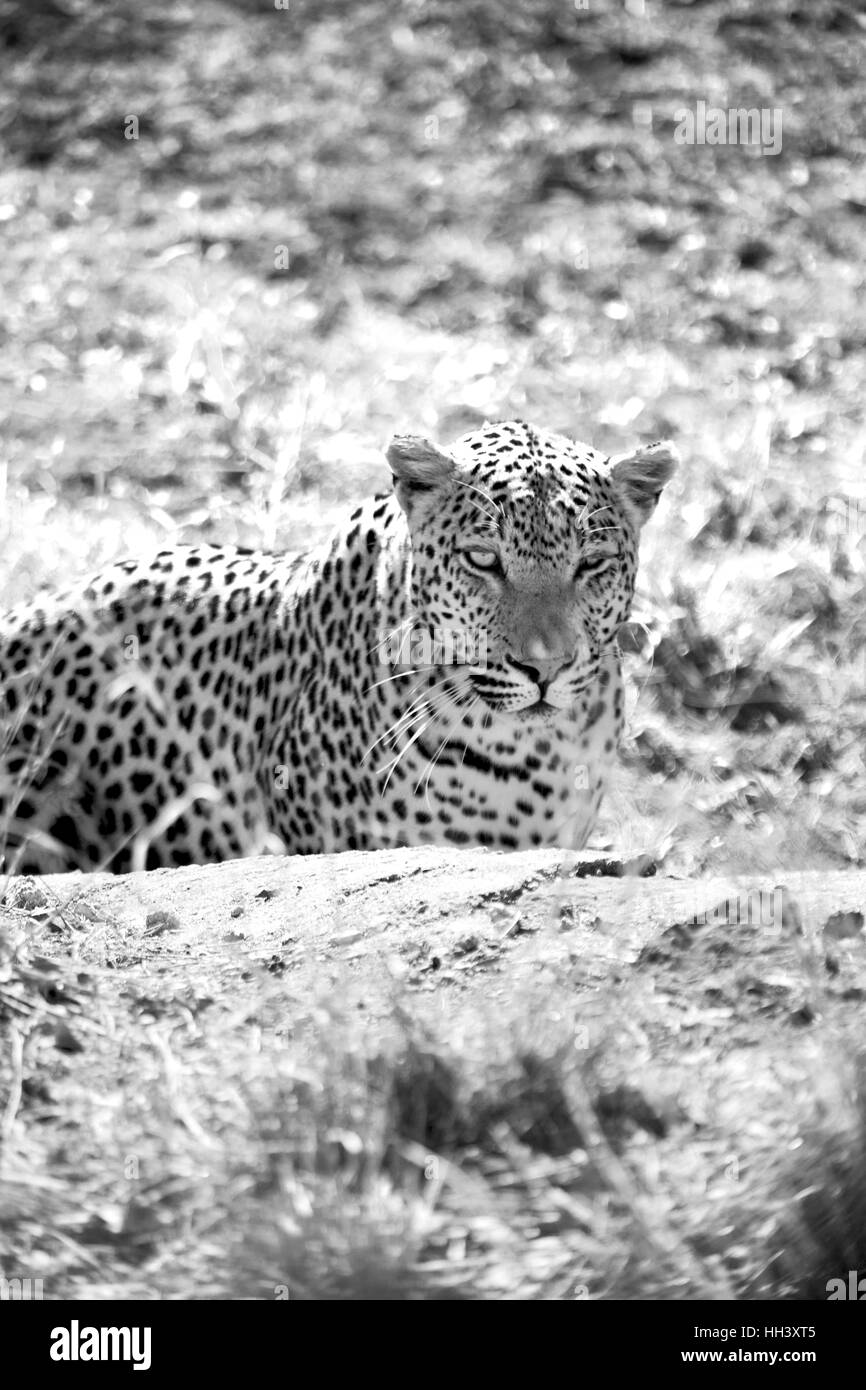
433 663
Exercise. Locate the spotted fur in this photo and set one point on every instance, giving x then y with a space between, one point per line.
444 670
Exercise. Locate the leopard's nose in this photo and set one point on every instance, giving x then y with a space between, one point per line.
541 670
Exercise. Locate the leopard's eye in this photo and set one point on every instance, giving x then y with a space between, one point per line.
590 568
482 560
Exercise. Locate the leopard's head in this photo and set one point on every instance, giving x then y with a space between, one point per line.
524 556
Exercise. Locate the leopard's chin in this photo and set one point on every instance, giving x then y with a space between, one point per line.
541 712
536 712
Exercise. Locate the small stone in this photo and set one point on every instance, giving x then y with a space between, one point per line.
842 926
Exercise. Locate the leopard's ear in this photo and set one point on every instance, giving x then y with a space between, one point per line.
641 475
420 469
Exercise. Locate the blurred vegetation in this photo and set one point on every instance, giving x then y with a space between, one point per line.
191 1113
340 220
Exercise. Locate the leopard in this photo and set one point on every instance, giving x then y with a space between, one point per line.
443 669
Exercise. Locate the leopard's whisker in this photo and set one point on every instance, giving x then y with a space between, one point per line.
403 751
432 762
403 627
414 710
482 512
432 705
485 494
398 676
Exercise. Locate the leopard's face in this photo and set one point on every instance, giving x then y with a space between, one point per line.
525 552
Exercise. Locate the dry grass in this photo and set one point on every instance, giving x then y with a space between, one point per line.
227 1130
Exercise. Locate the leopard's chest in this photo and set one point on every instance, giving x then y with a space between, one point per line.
511 786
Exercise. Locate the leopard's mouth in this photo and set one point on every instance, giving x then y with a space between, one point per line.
526 701
533 704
